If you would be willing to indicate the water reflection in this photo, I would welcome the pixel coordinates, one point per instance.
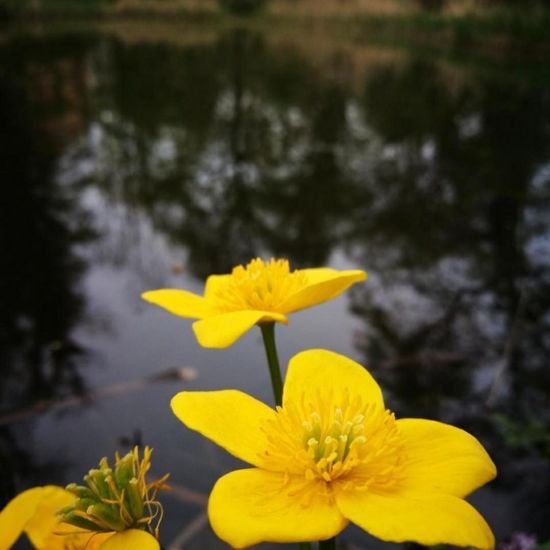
(457, 230)
(434, 177)
(40, 302)
(244, 159)
(456, 321)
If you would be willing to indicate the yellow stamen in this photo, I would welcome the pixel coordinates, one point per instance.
(260, 285)
(352, 442)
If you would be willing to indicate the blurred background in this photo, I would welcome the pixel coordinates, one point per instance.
(149, 143)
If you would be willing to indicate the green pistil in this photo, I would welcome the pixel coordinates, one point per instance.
(133, 499)
(335, 445)
(124, 471)
(78, 521)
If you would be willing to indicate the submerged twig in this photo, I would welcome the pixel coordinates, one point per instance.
(189, 532)
(184, 374)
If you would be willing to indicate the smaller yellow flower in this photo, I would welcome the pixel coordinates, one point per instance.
(256, 293)
(110, 513)
(333, 454)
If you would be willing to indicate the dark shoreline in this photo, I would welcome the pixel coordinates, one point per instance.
(497, 33)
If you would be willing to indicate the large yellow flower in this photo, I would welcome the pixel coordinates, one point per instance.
(333, 454)
(34, 512)
(260, 292)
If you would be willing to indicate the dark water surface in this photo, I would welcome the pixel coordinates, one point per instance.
(130, 162)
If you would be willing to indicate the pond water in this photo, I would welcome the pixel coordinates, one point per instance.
(132, 160)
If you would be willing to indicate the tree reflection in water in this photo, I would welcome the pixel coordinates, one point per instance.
(457, 322)
(40, 302)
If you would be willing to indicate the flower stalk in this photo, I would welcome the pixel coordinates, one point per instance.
(329, 544)
(268, 335)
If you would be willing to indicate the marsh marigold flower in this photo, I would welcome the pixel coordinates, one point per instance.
(333, 454)
(115, 510)
(255, 293)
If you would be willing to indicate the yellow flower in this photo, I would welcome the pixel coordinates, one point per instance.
(260, 292)
(109, 513)
(34, 513)
(333, 454)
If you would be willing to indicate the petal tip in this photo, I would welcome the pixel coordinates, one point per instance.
(356, 275)
(176, 400)
(209, 339)
(179, 404)
(147, 295)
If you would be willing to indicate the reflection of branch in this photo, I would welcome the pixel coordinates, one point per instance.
(185, 374)
(188, 495)
(193, 528)
(425, 358)
(509, 347)
(197, 524)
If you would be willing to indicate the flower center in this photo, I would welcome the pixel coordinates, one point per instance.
(330, 448)
(346, 442)
(119, 498)
(260, 285)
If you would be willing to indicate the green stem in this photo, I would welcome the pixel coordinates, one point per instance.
(329, 544)
(268, 334)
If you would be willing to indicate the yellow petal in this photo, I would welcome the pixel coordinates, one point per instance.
(250, 506)
(132, 539)
(426, 518)
(317, 275)
(443, 458)
(222, 330)
(44, 521)
(17, 513)
(317, 370)
(69, 537)
(322, 284)
(214, 283)
(179, 302)
(230, 418)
